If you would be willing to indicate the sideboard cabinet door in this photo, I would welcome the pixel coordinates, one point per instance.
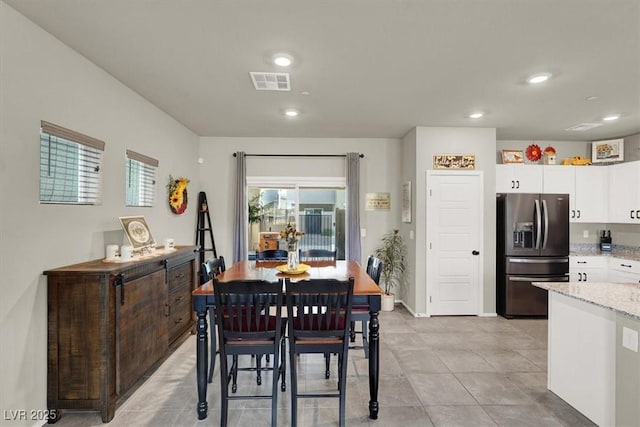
(142, 327)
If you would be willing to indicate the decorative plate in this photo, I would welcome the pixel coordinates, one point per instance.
(534, 153)
(285, 269)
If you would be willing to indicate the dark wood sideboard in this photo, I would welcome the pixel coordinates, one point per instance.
(110, 322)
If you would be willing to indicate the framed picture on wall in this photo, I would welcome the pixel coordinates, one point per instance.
(607, 151)
(512, 156)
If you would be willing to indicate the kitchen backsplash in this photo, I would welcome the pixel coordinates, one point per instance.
(621, 234)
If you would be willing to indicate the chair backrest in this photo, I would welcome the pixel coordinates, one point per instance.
(374, 268)
(272, 255)
(248, 312)
(317, 255)
(211, 268)
(320, 309)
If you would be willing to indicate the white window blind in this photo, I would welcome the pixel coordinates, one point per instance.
(140, 179)
(69, 166)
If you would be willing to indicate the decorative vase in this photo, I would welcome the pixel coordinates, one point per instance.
(388, 302)
(292, 258)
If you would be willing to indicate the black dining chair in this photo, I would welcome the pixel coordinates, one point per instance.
(317, 255)
(361, 313)
(319, 313)
(249, 320)
(272, 255)
(208, 270)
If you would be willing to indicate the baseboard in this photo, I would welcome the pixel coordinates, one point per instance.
(413, 313)
(488, 315)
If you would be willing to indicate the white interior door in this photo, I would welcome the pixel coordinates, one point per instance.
(454, 242)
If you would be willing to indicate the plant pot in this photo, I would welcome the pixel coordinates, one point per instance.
(388, 302)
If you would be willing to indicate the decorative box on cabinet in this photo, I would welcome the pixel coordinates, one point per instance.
(108, 323)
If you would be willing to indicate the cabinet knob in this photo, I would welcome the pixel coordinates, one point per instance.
(513, 184)
(579, 277)
(631, 215)
(578, 211)
(585, 277)
(517, 183)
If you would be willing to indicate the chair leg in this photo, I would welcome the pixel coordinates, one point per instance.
(234, 374)
(224, 388)
(342, 360)
(283, 365)
(365, 340)
(352, 331)
(327, 362)
(259, 369)
(212, 337)
(294, 387)
(274, 391)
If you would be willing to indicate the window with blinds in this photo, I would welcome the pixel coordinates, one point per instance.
(140, 179)
(69, 166)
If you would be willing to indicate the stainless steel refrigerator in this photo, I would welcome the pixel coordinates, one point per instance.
(532, 246)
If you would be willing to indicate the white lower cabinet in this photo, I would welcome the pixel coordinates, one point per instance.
(588, 269)
(581, 363)
(624, 270)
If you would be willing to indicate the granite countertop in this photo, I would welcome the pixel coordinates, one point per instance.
(620, 297)
(618, 251)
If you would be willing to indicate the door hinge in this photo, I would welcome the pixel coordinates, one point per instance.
(430, 245)
(430, 299)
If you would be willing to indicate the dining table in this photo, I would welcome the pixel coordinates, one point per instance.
(366, 293)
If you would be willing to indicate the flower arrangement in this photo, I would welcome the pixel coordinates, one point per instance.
(177, 194)
(291, 235)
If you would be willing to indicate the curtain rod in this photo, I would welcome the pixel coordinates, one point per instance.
(296, 155)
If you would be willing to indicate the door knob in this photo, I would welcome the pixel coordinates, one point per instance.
(475, 253)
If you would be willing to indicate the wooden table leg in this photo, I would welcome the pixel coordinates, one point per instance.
(374, 364)
(201, 360)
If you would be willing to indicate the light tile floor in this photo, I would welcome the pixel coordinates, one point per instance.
(440, 371)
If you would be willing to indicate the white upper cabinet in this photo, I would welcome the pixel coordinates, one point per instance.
(624, 193)
(518, 178)
(587, 187)
(592, 194)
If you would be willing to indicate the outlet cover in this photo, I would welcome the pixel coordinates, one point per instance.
(585, 234)
(630, 339)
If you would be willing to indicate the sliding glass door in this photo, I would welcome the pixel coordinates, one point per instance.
(316, 208)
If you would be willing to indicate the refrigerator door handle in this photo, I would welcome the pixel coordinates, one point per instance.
(564, 260)
(538, 279)
(546, 224)
(538, 223)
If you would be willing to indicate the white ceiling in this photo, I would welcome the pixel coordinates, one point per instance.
(373, 68)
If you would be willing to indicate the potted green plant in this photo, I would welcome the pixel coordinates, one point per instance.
(256, 215)
(393, 254)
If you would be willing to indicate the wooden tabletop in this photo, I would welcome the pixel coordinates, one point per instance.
(266, 270)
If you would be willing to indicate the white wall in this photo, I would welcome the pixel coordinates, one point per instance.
(42, 79)
(378, 172)
(430, 141)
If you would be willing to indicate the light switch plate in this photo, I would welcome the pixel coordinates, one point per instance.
(363, 232)
(630, 339)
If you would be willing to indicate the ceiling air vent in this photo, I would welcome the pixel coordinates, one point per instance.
(270, 81)
(583, 126)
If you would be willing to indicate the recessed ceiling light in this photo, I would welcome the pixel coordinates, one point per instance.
(538, 78)
(476, 115)
(591, 98)
(291, 113)
(282, 60)
(611, 118)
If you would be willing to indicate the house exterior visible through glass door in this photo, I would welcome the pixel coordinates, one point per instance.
(317, 211)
